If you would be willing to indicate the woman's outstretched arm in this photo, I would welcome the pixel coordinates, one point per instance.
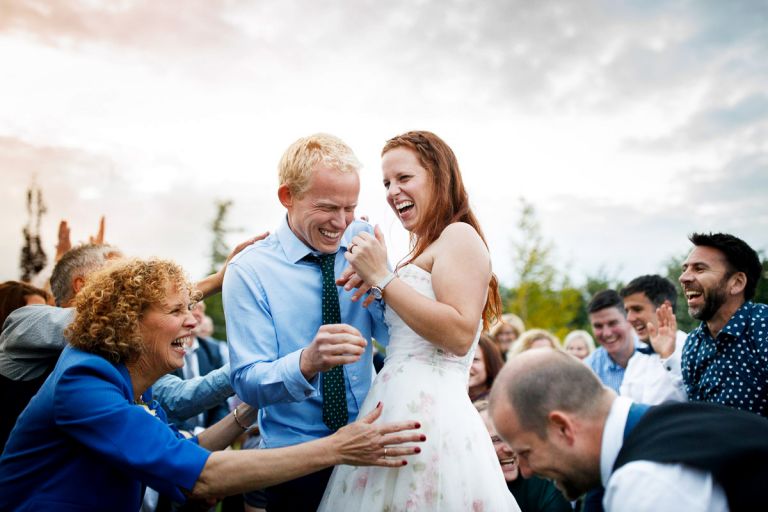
(359, 443)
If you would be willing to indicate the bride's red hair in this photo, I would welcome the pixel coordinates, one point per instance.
(449, 202)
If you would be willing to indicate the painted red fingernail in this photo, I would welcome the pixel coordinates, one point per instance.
(417, 450)
(378, 404)
(405, 462)
(423, 438)
(418, 425)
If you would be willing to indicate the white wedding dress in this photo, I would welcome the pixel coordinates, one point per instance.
(457, 469)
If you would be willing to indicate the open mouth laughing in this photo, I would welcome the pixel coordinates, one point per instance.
(330, 235)
(404, 207)
(693, 296)
(179, 344)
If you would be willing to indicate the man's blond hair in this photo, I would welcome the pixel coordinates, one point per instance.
(301, 157)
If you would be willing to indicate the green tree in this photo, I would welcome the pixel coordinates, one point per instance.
(33, 257)
(540, 296)
(219, 252)
(761, 293)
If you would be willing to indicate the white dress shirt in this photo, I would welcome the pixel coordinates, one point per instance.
(190, 371)
(651, 380)
(650, 486)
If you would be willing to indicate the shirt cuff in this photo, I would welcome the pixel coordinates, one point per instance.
(295, 383)
(672, 363)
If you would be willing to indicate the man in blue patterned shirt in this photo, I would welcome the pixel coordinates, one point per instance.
(725, 359)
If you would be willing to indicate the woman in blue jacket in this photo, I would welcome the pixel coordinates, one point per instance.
(92, 440)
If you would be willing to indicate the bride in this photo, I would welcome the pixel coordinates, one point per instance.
(436, 304)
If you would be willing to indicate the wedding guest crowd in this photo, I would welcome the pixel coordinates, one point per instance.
(112, 378)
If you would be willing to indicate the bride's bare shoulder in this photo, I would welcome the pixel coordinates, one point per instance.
(459, 232)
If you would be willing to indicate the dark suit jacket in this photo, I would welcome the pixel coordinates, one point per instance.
(729, 443)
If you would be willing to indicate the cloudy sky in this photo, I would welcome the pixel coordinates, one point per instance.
(627, 124)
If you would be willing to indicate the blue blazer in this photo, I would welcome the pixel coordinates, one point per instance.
(82, 444)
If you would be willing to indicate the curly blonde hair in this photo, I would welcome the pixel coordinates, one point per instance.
(112, 302)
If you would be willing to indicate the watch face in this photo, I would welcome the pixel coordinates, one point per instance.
(376, 292)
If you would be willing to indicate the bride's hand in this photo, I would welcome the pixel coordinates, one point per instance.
(350, 279)
(367, 255)
(364, 443)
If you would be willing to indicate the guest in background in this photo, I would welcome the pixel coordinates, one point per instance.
(485, 366)
(533, 494)
(14, 397)
(614, 334)
(650, 305)
(724, 358)
(506, 331)
(534, 338)
(15, 294)
(579, 344)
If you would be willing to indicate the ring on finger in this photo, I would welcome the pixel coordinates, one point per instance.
(351, 246)
(385, 453)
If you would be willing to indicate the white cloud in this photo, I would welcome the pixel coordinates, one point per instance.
(628, 124)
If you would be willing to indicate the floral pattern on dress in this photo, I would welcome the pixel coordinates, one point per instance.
(457, 469)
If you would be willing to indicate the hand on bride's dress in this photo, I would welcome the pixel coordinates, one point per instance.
(364, 443)
(334, 344)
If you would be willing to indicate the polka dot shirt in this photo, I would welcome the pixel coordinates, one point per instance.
(731, 369)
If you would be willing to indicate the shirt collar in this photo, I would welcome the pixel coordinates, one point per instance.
(737, 324)
(295, 249)
(613, 436)
(613, 365)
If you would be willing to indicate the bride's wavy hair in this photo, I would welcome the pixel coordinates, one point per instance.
(450, 202)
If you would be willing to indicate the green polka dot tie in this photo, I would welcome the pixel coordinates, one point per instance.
(335, 414)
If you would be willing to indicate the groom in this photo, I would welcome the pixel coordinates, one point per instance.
(299, 347)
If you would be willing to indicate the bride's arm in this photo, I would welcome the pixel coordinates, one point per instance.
(461, 271)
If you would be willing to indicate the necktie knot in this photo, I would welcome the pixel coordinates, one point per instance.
(326, 261)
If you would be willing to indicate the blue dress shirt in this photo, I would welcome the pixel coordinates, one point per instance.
(273, 308)
(610, 373)
(731, 369)
(82, 444)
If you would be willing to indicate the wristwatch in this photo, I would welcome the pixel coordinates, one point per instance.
(377, 290)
